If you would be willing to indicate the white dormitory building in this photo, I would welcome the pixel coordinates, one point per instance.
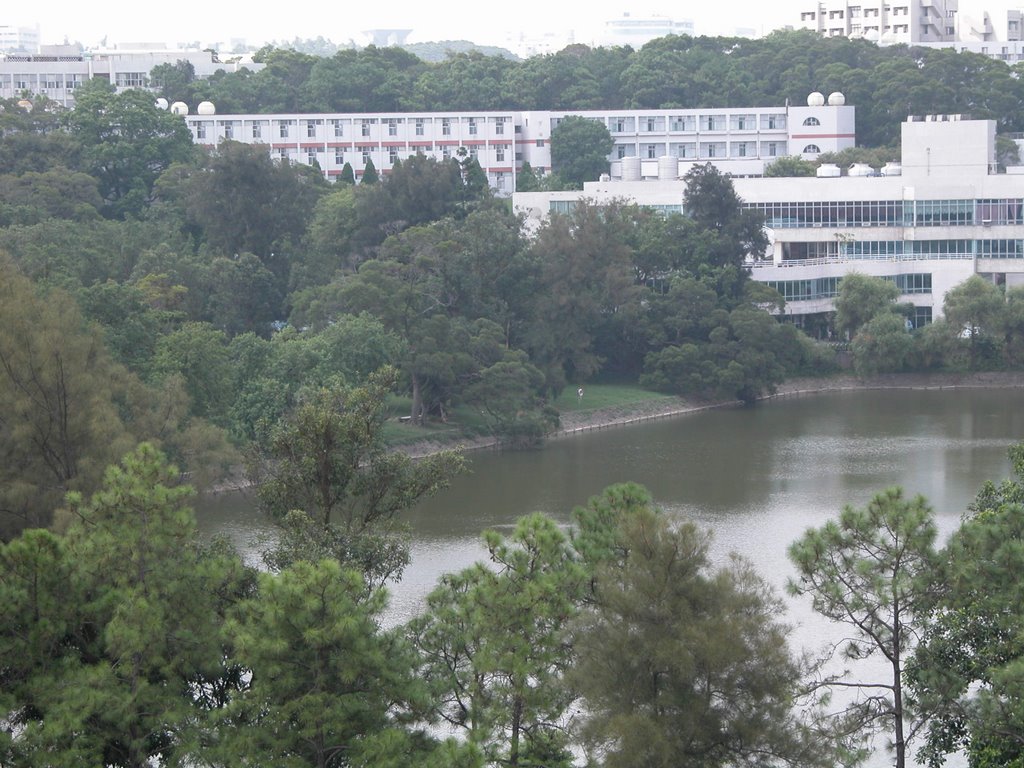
(928, 224)
(647, 143)
(55, 71)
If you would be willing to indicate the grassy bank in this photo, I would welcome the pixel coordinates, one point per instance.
(467, 424)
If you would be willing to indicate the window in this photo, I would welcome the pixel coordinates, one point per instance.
(310, 129)
(339, 157)
(619, 125)
(419, 127)
(652, 151)
(200, 130)
(310, 156)
(499, 127)
(540, 142)
(499, 154)
(282, 153)
(392, 128)
(812, 121)
(446, 127)
(472, 126)
(650, 125)
(620, 151)
(257, 131)
(229, 130)
(365, 130)
(130, 80)
(366, 156)
(812, 149)
(56, 81)
(282, 130)
(339, 129)
(392, 154)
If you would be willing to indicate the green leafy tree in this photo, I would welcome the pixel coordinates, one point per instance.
(678, 664)
(127, 143)
(173, 80)
(790, 166)
(861, 298)
(883, 345)
(328, 685)
(871, 570)
(493, 646)
(114, 654)
(369, 175)
(974, 309)
(327, 463)
(59, 423)
(580, 148)
(966, 672)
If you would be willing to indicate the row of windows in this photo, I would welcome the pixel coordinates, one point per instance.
(897, 250)
(692, 123)
(828, 287)
(888, 213)
(342, 154)
(259, 129)
(44, 82)
(704, 149)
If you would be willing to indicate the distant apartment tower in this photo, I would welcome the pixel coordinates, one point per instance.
(884, 21)
(20, 39)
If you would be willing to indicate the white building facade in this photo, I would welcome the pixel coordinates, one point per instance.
(941, 217)
(887, 21)
(647, 143)
(57, 70)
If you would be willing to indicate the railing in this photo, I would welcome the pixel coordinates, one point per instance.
(825, 260)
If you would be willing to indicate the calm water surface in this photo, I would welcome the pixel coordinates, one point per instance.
(757, 477)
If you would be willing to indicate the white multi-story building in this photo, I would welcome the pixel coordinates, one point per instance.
(57, 70)
(21, 39)
(647, 143)
(928, 225)
(887, 21)
(637, 31)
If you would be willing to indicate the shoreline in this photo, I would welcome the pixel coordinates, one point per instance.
(576, 422)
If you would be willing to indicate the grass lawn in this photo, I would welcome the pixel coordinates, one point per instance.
(599, 396)
(465, 421)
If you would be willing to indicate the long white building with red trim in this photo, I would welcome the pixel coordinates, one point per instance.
(648, 143)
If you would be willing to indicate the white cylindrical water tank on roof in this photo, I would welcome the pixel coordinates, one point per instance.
(861, 169)
(828, 171)
(631, 169)
(892, 168)
(668, 168)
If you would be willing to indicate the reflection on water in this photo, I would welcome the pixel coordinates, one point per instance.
(757, 477)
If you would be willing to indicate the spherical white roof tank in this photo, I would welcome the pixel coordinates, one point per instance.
(161, 103)
(892, 168)
(206, 108)
(631, 169)
(179, 108)
(815, 99)
(828, 171)
(836, 99)
(668, 168)
(860, 169)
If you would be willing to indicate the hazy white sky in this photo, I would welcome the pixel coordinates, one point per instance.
(209, 22)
